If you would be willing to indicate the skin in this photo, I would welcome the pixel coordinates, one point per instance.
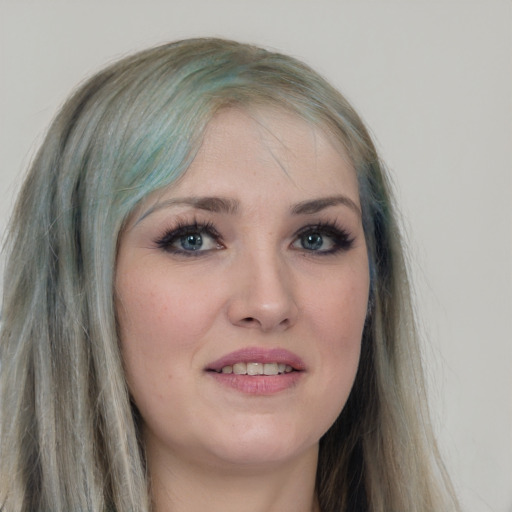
(209, 446)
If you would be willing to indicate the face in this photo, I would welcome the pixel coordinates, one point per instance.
(242, 292)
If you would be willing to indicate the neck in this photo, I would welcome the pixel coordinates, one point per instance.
(185, 486)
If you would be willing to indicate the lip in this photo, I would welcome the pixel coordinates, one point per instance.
(261, 384)
(258, 355)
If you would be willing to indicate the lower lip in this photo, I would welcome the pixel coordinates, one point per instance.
(258, 384)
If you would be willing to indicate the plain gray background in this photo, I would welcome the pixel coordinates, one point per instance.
(432, 79)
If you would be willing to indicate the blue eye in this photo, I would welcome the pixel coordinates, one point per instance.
(312, 241)
(322, 239)
(192, 242)
(190, 239)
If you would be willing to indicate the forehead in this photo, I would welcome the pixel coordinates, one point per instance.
(268, 149)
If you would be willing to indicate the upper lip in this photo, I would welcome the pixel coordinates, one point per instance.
(258, 355)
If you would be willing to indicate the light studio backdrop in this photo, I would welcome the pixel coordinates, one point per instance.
(433, 80)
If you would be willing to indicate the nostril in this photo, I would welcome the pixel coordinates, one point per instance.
(254, 322)
(251, 322)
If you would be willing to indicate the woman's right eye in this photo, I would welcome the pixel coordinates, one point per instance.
(190, 240)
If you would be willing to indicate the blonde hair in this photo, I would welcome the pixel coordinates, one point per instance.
(70, 436)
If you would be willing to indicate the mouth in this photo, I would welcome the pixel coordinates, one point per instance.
(252, 368)
(257, 370)
(256, 361)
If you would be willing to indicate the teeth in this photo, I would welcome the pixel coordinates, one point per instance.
(239, 368)
(254, 369)
(270, 369)
(257, 368)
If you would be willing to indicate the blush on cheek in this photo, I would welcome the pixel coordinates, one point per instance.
(163, 315)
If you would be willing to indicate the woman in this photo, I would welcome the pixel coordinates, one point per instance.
(206, 304)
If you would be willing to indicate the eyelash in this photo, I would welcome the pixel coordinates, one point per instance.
(340, 238)
(183, 229)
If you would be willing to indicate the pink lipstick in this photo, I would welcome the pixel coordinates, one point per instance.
(258, 371)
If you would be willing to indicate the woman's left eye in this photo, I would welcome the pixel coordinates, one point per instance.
(323, 239)
(190, 240)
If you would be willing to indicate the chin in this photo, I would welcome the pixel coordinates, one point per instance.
(261, 444)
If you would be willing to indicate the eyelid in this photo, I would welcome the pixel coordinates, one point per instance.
(182, 228)
(341, 237)
(327, 227)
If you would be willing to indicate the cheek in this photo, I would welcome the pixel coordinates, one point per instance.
(170, 314)
(162, 321)
(339, 308)
(338, 316)
(161, 326)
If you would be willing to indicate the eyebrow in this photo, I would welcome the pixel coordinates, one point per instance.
(317, 205)
(210, 204)
(231, 206)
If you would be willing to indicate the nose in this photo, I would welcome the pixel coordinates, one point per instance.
(262, 296)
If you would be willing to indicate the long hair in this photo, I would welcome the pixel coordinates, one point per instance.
(70, 436)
